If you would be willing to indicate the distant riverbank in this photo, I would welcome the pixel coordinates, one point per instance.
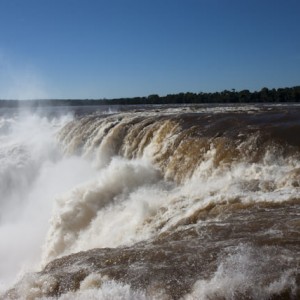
(265, 95)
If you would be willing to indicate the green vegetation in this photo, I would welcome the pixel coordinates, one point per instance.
(265, 95)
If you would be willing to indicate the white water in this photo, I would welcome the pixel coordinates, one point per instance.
(54, 204)
(33, 172)
(92, 287)
(241, 271)
(106, 212)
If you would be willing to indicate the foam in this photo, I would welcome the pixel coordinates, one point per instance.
(244, 273)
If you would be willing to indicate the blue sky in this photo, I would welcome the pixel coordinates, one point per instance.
(127, 48)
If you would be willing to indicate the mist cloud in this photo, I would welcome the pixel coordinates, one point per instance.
(20, 82)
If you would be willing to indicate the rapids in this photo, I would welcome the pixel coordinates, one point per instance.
(161, 202)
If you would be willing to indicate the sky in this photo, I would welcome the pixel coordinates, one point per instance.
(125, 48)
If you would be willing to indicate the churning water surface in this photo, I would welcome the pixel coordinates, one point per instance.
(181, 202)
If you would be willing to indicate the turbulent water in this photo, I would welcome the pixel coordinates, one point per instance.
(182, 202)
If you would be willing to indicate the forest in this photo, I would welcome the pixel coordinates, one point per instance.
(265, 95)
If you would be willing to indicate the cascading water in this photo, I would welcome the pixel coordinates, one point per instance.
(188, 202)
(33, 171)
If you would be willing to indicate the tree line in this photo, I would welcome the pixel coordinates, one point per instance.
(265, 95)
